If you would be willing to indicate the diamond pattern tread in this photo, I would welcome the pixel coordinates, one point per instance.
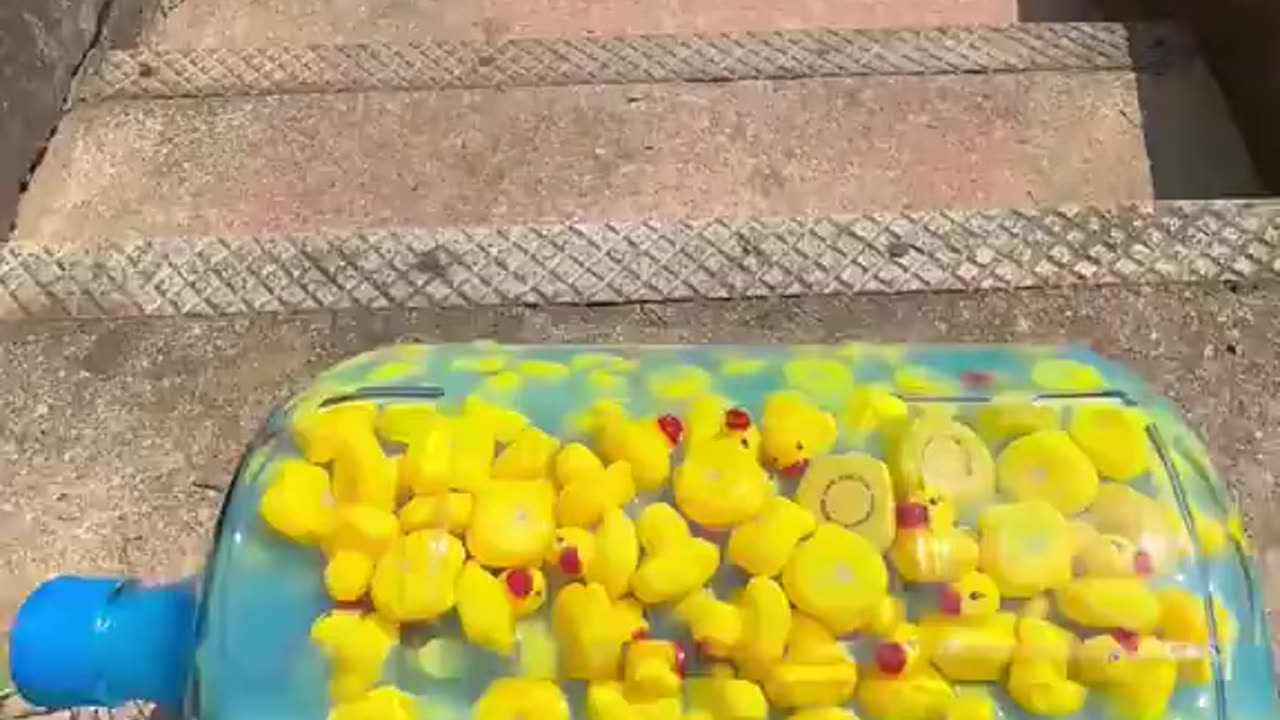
(647, 261)
(148, 73)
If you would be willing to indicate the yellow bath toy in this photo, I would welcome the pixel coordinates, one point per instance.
(939, 453)
(512, 698)
(711, 420)
(526, 589)
(1047, 465)
(715, 625)
(452, 453)
(415, 578)
(403, 422)
(674, 562)
(873, 409)
(762, 545)
(1025, 547)
(721, 696)
(929, 548)
(587, 487)
(485, 609)
(1011, 416)
(837, 577)
(972, 703)
(384, 702)
(298, 502)
(901, 684)
(853, 491)
(536, 651)
(362, 534)
(652, 670)
(823, 713)
(1135, 673)
(1109, 602)
(646, 443)
(1067, 376)
(816, 670)
(590, 631)
(344, 435)
(720, 485)
(357, 646)
(1184, 625)
(512, 522)
(792, 432)
(528, 457)
(1114, 437)
(971, 640)
(766, 623)
(1038, 676)
(1099, 555)
(1146, 522)
(606, 701)
(608, 556)
(451, 511)
(506, 423)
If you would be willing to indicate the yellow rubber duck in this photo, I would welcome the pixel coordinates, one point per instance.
(1148, 524)
(1012, 415)
(1047, 465)
(356, 645)
(766, 623)
(1038, 679)
(587, 487)
(1025, 547)
(652, 670)
(526, 589)
(414, 580)
(854, 491)
(715, 625)
(837, 577)
(485, 609)
(762, 545)
(873, 409)
(972, 640)
(362, 534)
(1115, 556)
(816, 669)
(451, 511)
(719, 485)
(901, 684)
(1184, 623)
(1135, 673)
(973, 703)
(1114, 437)
(298, 502)
(345, 436)
(590, 631)
(385, 702)
(506, 423)
(929, 548)
(527, 457)
(674, 562)
(450, 453)
(645, 444)
(512, 522)
(792, 432)
(1109, 602)
(606, 701)
(511, 698)
(712, 420)
(721, 696)
(609, 556)
(938, 453)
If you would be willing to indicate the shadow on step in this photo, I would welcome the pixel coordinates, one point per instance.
(1085, 10)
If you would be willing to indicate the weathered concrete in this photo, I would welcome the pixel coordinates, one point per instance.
(302, 163)
(123, 432)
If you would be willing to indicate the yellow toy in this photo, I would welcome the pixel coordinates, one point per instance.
(451, 511)
(1011, 416)
(1108, 602)
(823, 713)
(606, 701)
(608, 557)
(1038, 674)
(485, 609)
(357, 646)
(792, 432)
(1046, 465)
(1025, 547)
(716, 626)
(762, 545)
(344, 436)
(938, 453)
(652, 670)
(837, 577)
(1099, 555)
(451, 453)
(871, 409)
(385, 702)
(1148, 524)
(1135, 673)
(815, 671)
(512, 522)
(362, 534)
(298, 502)
(526, 589)
(506, 423)
(518, 698)
(646, 444)
(972, 703)
(1114, 437)
(528, 457)
(928, 547)
(1185, 624)
(971, 641)
(711, 420)
(721, 696)
(588, 488)
(853, 491)
(590, 632)
(414, 580)
(901, 685)
(766, 623)
(720, 485)
(674, 563)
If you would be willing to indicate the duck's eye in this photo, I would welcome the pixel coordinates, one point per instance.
(935, 500)
(800, 446)
(745, 445)
(976, 595)
(1114, 656)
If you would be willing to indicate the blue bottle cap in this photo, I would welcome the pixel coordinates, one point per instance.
(51, 648)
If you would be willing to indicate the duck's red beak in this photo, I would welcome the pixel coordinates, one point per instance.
(949, 601)
(795, 470)
(1143, 564)
(671, 426)
(891, 657)
(737, 419)
(681, 658)
(912, 515)
(570, 562)
(519, 583)
(1127, 639)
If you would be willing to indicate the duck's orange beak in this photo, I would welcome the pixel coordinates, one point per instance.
(795, 470)
(671, 426)
(891, 657)
(949, 601)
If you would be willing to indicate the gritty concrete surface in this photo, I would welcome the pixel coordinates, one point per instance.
(119, 435)
(794, 148)
(257, 23)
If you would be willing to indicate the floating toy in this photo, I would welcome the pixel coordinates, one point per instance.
(517, 698)
(762, 545)
(414, 579)
(1135, 673)
(357, 646)
(1026, 547)
(645, 444)
(587, 487)
(720, 484)
(929, 548)
(853, 491)
(512, 522)
(970, 640)
(837, 577)
(792, 432)
(1114, 437)
(674, 563)
(1038, 676)
(939, 453)
(1047, 465)
(901, 684)
(1109, 602)
(716, 625)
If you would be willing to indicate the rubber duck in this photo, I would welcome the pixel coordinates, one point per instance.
(1047, 465)
(451, 511)
(1038, 679)
(674, 563)
(715, 625)
(762, 545)
(414, 579)
(1013, 415)
(853, 491)
(1109, 602)
(873, 409)
(512, 522)
(606, 701)
(938, 453)
(587, 487)
(816, 669)
(451, 453)
(385, 702)
(590, 632)
(1100, 555)
(711, 419)
(485, 609)
(1124, 511)
(362, 534)
(1184, 624)
(652, 670)
(403, 422)
(513, 698)
(609, 556)
(901, 684)
(526, 589)
(792, 432)
(1114, 437)
(298, 502)
(972, 703)
(929, 548)
(506, 423)
(344, 435)
(721, 696)
(971, 640)
(357, 645)
(1135, 673)
(823, 713)
(1067, 376)
(536, 652)
(1025, 547)
(766, 622)
(837, 577)
(720, 484)
(527, 457)
(818, 377)
(679, 382)
(646, 443)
